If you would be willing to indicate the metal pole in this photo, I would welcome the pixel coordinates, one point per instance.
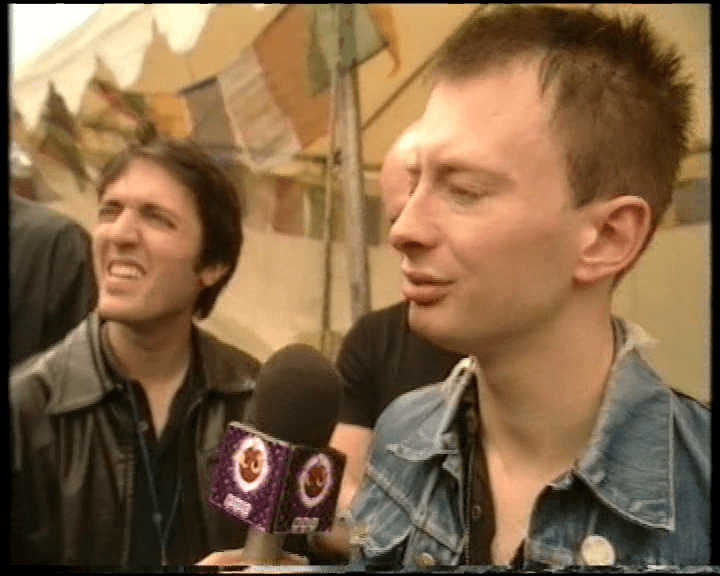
(325, 344)
(353, 178)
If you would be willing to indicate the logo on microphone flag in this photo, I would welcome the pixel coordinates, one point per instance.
(250, 464)
(274, 486)
(315, 480)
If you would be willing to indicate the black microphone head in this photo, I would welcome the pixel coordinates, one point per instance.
(297, 396)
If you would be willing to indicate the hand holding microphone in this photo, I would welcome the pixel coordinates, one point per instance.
(279, 477)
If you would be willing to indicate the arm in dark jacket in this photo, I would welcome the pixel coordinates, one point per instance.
(33, 526)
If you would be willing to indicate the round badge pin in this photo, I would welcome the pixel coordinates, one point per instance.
(597, 551)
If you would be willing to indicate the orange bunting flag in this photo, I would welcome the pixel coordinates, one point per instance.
(271, 114)
(170, 115)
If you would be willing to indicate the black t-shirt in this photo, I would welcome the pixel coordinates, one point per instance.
(171, 458)
(479, 504)
(380, 359)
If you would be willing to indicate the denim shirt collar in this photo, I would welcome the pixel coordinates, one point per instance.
(627, 462)
(438, 434)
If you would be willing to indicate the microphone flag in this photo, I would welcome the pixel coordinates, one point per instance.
(275, 486)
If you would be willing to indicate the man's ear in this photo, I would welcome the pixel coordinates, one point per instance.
(211, 273)
(612, 237)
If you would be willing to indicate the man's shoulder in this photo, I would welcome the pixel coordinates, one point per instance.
(35, 380)
(408, 411)
(40, 219)
(689, 416)
(425, 398)
(426, 411)
(29, 385)
(372, 335)
(224, 362)
(692, 417)
(383, 318)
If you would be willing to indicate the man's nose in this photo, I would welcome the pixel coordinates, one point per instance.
(414, 228)
(124, 229)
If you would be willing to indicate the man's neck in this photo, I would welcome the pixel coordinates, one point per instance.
(157, 358)
(151, 356)
(540, 398)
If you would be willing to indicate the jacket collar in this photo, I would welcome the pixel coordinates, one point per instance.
(83, 378)
(437, 435)
(628, 460)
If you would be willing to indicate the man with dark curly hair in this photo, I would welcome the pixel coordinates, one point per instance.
(114, 429)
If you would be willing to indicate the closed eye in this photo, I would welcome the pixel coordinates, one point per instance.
(158, 216)
(463, 195)
(414, 179)
(107, 211)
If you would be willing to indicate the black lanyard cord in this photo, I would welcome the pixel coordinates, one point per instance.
(157, 515)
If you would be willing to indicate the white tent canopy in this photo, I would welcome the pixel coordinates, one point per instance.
(142, 46)
(119, 35)
(168, 47)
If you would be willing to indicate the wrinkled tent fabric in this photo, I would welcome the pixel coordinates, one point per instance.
(119, 35)
(392, 91)
(388, 102)
(274, 107)
(276, 101)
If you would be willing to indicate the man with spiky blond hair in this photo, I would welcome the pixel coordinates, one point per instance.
(544, 160)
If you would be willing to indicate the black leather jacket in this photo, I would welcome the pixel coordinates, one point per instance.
(72, 450)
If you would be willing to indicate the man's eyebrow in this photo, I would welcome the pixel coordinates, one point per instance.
(144, 206)
(448, 167)
(451, 165)
(153, 207)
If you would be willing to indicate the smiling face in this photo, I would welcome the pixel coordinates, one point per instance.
(146, 246)
(251, 464)
(315, 481)
(488, 236)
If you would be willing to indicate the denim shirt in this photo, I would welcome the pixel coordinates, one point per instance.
(638, 495)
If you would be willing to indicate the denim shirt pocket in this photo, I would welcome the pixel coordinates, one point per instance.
(395, 540)
(414, 526)
(425, 551)
(388, 526)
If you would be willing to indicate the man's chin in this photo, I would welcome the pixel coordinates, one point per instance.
(142, 320)
(122, 315)
(432, 325)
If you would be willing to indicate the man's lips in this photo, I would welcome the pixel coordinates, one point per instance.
(423, 288)
(124, 268)
(121, 274)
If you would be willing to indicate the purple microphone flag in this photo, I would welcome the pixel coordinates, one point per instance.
(274, 486)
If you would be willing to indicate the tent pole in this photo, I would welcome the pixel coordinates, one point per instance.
(325, 342)
(353, 178)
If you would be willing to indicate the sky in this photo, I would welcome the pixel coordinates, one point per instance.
(34, 27)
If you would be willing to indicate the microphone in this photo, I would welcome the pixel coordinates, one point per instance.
(279, 476)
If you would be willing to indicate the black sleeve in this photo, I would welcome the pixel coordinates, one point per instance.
(33, 532)
(356, 364)
(71, 291)
(380, 359)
